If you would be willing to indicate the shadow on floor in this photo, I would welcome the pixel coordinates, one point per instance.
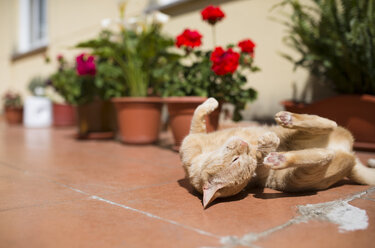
(258, 192)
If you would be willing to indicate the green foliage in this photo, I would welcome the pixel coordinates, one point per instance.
(191, 75)
(336, 40)
(36, 86)
(65, 83)
(129, 59)
(12, 100)
(72, 88)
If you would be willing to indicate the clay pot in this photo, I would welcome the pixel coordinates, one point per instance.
(181, 110)
(96, 120)
(13, 115)
(355, 112)
(138, 119)
(63, 115)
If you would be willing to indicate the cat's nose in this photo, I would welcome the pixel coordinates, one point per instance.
(244, 144)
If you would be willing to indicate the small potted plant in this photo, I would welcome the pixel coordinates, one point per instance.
(12, 103)
(218, 73)
(64, 83)
(335, 40)
(134, 54)
(37, 108)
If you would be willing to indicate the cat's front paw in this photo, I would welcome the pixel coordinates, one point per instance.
(268, 141)
(275, 161)
(284, 119)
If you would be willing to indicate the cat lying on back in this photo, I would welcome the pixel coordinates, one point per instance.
(305, 152)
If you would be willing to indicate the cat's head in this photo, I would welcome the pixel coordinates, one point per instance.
(227, 170)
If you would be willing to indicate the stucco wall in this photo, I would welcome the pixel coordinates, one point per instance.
(70, 21)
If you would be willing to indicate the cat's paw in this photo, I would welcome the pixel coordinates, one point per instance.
(275, 161)
(268, 141)
(284, 119)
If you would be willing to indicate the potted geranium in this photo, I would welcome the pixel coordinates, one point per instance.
(97, 81)
(218, 73)
(85, 87)
(136, 53)
(12, 103)
(335, 40)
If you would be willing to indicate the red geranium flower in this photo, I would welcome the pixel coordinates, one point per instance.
(189, 38)
(247, 46)
(224, 62)
(85, 65)
(212, 14)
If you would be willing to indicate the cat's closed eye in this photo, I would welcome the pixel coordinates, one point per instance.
(235, 159)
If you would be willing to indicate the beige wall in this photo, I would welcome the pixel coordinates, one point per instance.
(70, 21)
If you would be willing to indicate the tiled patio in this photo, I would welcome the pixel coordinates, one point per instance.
(56, 191)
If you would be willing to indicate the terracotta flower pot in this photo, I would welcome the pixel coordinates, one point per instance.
(181, 110)
(138, 119)
(63, 115)
(355, 112)
(13, 115)
(96, 120)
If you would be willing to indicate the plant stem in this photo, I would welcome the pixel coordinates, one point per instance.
(214, 36)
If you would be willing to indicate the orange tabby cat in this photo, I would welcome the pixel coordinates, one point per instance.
(305, 152)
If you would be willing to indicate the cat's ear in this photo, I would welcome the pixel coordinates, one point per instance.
(209, 193)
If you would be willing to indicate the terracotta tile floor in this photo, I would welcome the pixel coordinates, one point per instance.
(59, 192)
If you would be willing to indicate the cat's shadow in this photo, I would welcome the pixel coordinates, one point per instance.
(256, 192)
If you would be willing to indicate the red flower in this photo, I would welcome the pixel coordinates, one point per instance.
(189, 38)
(224, 62)
(60, 57)
(247, 46)
(212, 14)
(85, 65)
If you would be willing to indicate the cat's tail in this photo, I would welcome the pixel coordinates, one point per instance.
(362, 174)
(198, 123)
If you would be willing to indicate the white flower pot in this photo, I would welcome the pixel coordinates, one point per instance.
(37, 112)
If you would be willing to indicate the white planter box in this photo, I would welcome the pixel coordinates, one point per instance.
(37, 112)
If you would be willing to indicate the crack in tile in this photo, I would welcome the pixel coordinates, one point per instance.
(328, 211)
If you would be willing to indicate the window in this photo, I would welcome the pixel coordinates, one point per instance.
(33, 25)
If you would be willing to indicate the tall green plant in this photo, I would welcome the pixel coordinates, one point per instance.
(136, 54)
(336, 40)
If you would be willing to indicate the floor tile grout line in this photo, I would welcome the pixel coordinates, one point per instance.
(98, 198)
(120, 205)
(154, 216)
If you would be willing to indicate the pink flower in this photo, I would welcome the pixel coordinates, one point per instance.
(224, 62)
(189, 38)
(60, 57)
(85, 65)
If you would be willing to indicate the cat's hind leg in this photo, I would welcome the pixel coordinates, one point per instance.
(319, 172)
(304, 122)
(198, 123)
(298, 158)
